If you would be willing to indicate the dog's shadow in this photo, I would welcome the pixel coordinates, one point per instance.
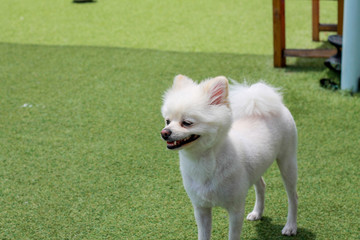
(267, 230)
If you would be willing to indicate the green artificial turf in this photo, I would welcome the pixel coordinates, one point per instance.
(80, 97)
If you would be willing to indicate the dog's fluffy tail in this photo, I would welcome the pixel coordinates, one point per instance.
(258, 100)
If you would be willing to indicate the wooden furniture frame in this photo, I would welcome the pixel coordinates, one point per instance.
(280, 50)
(318, 27)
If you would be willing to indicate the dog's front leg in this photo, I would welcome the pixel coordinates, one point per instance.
(203, 221)
(236, 219)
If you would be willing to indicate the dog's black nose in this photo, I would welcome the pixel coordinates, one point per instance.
(165, 133)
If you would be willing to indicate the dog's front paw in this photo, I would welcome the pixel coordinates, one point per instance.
(253, 216)
(289, 230)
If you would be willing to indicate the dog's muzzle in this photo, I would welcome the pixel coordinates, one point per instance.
(165, 133)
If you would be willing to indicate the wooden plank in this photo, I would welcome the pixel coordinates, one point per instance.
(328, 27)
(315, 20)
(279, 32)
(310, 53)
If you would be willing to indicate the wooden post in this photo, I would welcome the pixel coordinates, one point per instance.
(315, 20)
(340, 17)
(279, 32)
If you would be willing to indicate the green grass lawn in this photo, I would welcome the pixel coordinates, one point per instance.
(80, 97)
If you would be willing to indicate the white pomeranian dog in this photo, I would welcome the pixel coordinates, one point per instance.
(227, 139)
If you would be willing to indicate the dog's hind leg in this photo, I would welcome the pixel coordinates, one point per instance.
(288, 168)
(256, 214)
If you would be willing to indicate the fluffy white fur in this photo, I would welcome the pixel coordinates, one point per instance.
(227, 139)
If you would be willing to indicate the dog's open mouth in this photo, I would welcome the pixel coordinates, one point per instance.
(182, 142)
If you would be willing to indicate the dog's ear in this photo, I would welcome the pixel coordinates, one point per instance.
(218, 89)
(181, 81)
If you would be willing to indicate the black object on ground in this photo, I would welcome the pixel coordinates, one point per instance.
(334, 62)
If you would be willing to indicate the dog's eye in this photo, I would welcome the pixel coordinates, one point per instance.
(186, 123)
(167, 121)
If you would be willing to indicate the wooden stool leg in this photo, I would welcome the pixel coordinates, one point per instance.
(315, 20)
(340, 17)
(279, 32)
